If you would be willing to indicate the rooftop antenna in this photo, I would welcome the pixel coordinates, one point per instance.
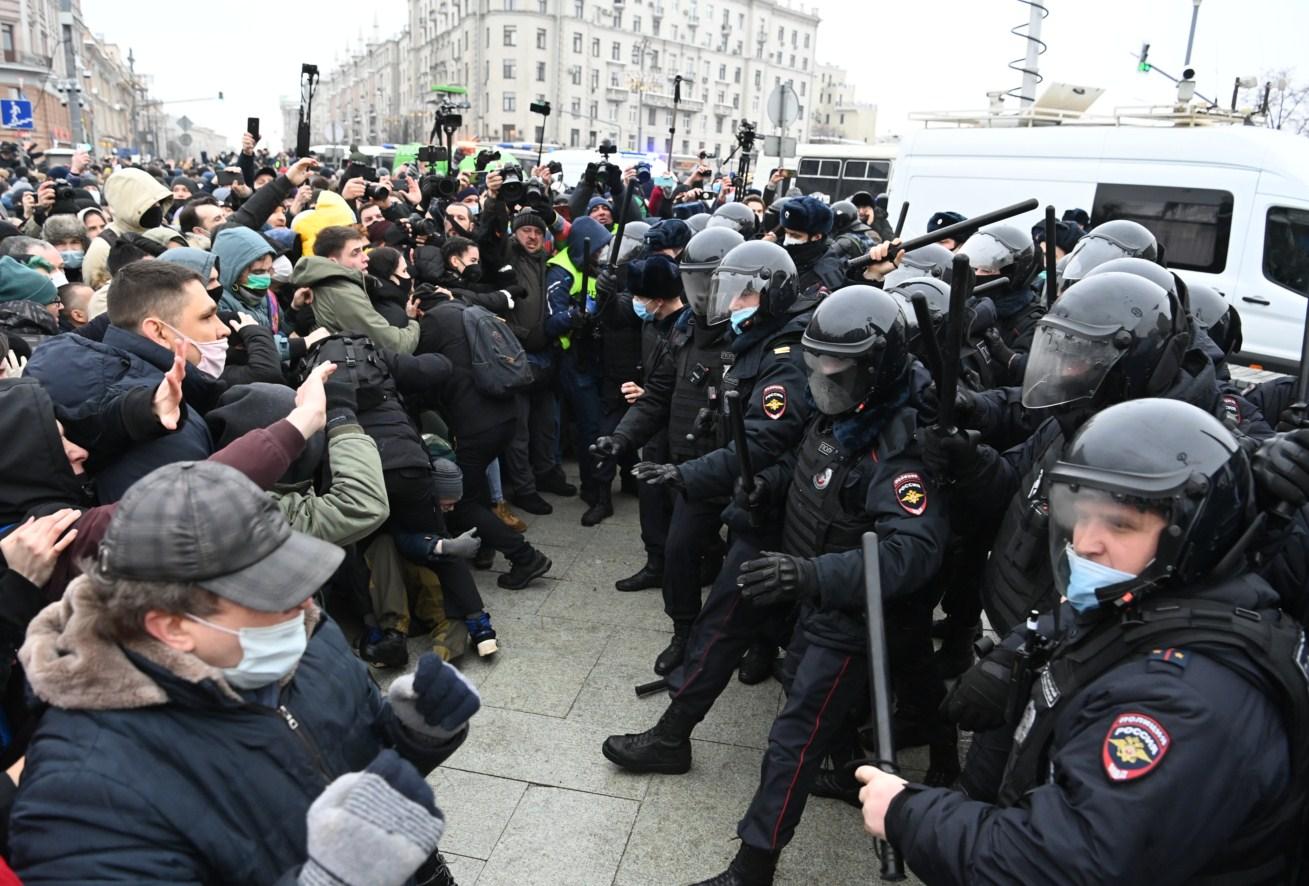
(1029, 66)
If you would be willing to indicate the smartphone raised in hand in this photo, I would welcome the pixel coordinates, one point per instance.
(252, 127)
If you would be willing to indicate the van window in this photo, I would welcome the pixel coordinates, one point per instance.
(818, 176)
(1286, 248)
(1193, 224)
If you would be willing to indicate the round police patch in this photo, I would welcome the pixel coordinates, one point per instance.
(774, 401)
(910, 493)
(1134, 746)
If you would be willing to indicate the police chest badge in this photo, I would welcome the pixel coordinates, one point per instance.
(1134, 746)
(774, 401)
(910, 493)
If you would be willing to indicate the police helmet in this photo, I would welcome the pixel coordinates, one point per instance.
(845, 215)
(932, 260)
(633, 241)
(1192, 483)
(856, 349)
(936, 292)
(756, 267)
(773, 214)
(1120, 238)
(737, 216)
(699, 260)
(698, 222)
(1001, 249)
(1109, 338)
(1213, 314)
(1160, 276)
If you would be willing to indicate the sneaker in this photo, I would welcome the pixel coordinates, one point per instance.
(383, 648)
(523, 574)
(533, 504)
(509, 518)
(555, 484)
(481, 633)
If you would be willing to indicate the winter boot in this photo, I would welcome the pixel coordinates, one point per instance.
(481, 633)
(675, 651)
(601, 505)
(533, 504)
(757, 663)
(664, 748)
(956, 653)
(556, 484)
(837, 783)
(383, 648)
(524, 572)
(751, 867)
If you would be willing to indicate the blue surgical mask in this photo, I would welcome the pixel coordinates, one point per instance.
(740, 315)
(267, 654)
(72, 257)
(641, 310)
(1085, 577)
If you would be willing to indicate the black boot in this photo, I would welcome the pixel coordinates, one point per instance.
(383, 648)
(601, 503)
(524, 572)
(956, 653)
(675, 651)
(555, 484)
(943, 761)
(651, 575)
(837, 784)
(757, 665)
(664, 748)
(751, 867)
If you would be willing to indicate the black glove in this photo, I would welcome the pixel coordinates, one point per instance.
(756, 499)
(980, 699)
(608, 448)
(776, 578)
(606, 284)
(1281, 467)
(588, 177)
(1000, 352)
(342, 397)
(578, 319)
(965, 405)
(658, 475)
(948, 456)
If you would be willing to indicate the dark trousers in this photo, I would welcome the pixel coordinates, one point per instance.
(580, 388)
(414, 508)
(826, 685)
(655, 505)
(611, 413)
(919, 689)
(692, 533)
(961, 576)
(473, 452)
(720, 635)
(535, 446)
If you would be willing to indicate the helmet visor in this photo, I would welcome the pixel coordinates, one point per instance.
(909, 270)
(1117, 526)
(837, 384)
(1068, 363)
(628, 247)
(696, 284)
(987, 255)
(729, 285)
(1087, 255)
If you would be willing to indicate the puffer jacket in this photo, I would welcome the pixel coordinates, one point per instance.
(129, 193)
(341, 304)
(27, 320)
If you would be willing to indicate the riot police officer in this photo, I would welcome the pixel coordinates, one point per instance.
(736, 216)
(1161, 739)
(1007, 251)
(856, 470)
(851, 238)
(681, 398)
(806, 226)
(1120, 238)
(754, 289)
(932, 260)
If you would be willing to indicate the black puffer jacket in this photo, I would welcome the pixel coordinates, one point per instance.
(465, 409)
(27, 320)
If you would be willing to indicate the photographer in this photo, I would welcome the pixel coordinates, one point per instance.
(602, 179)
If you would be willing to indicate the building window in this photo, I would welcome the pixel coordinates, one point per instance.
(722, 72)
(795, 39)
(595, 47)
(509, 102)
(577, 42)
(574, 138)
(540, 38)
(595, 79)
(511, 35)
(758, 79)
(540, 72)
(806, 41)
(617, 51)
(510, 69)
(802, 86)
(636, 53)
(613, 80)
(576, 107)
(579, 9)
(737, 78)
(651, 114)
(595, 110)
(576, 75)
(686, 146)
(631, 143)
(7, 36)
(636, 24)
(543, 9)
(654, 26)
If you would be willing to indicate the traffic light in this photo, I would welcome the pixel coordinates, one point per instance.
(1141, 64)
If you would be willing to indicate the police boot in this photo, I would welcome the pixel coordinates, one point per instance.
(675, 651)
(751, 867)
(956, 653)
(836, 783)
(602, 505)
(664, 748)
(914, 728)
(651, 575)
(757, 664)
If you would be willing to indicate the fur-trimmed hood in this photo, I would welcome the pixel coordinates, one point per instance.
(72, 663)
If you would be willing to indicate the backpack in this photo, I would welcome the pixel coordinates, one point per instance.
(499, 362)
(357, 355)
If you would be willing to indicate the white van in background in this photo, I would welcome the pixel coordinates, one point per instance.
(1230, 204)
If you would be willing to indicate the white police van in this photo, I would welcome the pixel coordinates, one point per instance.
(1229, 203)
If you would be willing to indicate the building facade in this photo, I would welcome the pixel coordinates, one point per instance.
(607, 67)
(837, 113)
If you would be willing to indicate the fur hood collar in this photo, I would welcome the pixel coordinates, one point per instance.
(72, 664)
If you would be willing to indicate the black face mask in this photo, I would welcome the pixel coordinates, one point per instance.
(471, 273)
(215, 293)
(404, 284)
(803, 253)
(152, 217)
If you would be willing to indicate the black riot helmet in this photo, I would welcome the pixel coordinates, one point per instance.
(633, 241)
(698, 222)
(844, 214)
(855, 349)
(1191, 482)
(773, 214)
(1119, 238)
(937, 294)
(736, 216)
(754, 267)
(701, 256)
(1109, 338)
(932, 260)
(1004, 250)
(1220, 319)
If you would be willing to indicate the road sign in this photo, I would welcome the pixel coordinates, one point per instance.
(15, 114)
(185, 139)
(777, 146)
(184, 124)
(783, 105)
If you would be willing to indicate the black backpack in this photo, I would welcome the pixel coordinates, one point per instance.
(500, 364)
(357, 355)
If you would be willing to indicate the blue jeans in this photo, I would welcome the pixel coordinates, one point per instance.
(580, 388)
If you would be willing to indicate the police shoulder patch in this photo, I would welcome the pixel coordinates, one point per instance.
(784, 349)
(1232, 408)
(910, 493)
(1134, 746)
(774, 401)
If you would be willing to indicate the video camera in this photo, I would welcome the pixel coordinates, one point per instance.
(606, 176)
(745, 136)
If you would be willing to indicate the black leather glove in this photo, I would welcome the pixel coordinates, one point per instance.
(588, 177)
(980, 699)
(948, 456)
(965, 405)
(1281, 467)
(756, 499)
(658, 475)
(342, 397)
(606, 284)
(776, 578)
(1000, 352)
(608, 448)
(578, 319)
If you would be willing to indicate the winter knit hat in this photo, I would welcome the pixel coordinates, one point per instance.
(529, 219)
(448, 478)
(21, 283)
(598, 201)
(196, 259)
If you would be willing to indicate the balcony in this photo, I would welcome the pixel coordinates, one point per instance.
(723, 110)
(617, 93)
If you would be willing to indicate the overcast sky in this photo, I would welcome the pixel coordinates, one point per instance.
(904, 57)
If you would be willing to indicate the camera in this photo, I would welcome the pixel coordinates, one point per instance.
(448, 117)
(555, 167)
(512, 190)
(421, 226)
(484, 159)
(377, 192)
(540, 107)
(608, 177)
(745, 136)
(433, 154)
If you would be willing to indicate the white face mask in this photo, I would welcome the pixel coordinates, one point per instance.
(789, 240)
(267, 654)
(59, 278)
(213, 354)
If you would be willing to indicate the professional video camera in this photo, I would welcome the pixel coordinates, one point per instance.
(433, 154)
(606, 176)
(745, 136)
